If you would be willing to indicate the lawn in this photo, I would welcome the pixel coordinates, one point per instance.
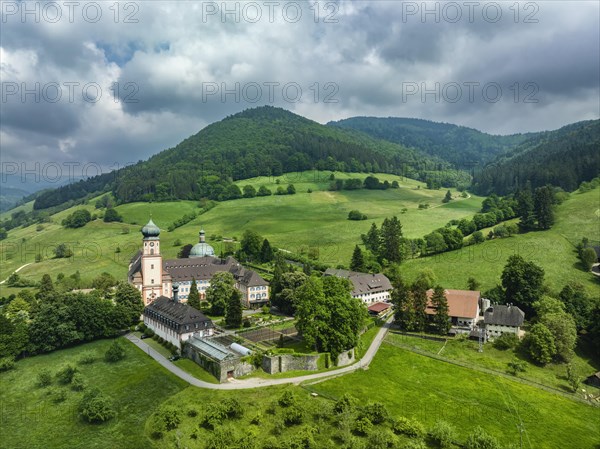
(416, 386)
(136, 385)
(552, 375)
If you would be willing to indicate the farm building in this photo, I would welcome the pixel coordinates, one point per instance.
(369, 288)
(503, 319)
(463, 309)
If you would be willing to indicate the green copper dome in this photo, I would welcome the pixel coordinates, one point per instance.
(150, 230)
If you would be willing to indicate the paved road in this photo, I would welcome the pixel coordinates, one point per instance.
(16, 271)
(236, 384)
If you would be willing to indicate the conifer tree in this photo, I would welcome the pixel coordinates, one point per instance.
(391, 240)
(441, 320)
(358, 262)
(194, 296)
(543, 207)
(233, 313)
(403, 307)
(419, 301)
(266, 252)
(371, 240)
(525, 209)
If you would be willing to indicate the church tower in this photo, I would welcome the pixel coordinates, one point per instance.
(151, 264)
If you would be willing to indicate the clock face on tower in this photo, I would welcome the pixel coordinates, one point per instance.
(151, 243)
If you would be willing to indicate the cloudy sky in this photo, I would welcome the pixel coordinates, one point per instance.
(111, 83)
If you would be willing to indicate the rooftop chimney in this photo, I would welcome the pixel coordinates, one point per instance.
(176, 293)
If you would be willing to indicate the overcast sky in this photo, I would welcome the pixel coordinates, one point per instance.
(157, 72)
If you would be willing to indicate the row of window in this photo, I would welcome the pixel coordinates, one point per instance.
(258, 296)
(254, 289)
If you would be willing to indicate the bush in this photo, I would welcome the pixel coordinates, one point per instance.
(409, 427)
(114, 353)
(362, 426)
(345, 404)
(78, 382)
(214, 414)
(376, 412)
(6, 364)
(415, 444)
(516, 366)
(479, 439)
(168, 417)
(233, 408)
(65, 375)
(95, 407)
(87, 358)
(192, 413)
(58, 395)
(44, 378)
(356, 215)
(506, 341)
(287, 399)
(293, 415)
(443, 434)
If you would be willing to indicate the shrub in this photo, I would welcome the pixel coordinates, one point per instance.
(87, 358)
(65, 375)
(114, 353)
(287, 399)
(6, 364)
(95, 407)
(415, 444)
(506, 341)
(443, 434)
(168, 417)
(44, 378)
(516, 366)
(78, 382)
(150, 333)
(409, 427)
(214, 414)
(233, 408)
(375, 411)
(345, 404)
(58, 395)
(257, 419)
(362, 426)
(356, 215)
(382, 440)
(480, 439)
(293, 415)
(192, 413)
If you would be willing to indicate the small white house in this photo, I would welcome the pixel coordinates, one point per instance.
(502, 319)
(176, 322)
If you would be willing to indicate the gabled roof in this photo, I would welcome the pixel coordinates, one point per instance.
(362, 282)
(504, 315)
(204, 268)
(379, 307)
(461, 303)
(178, 313)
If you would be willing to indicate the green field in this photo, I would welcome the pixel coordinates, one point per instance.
(311, 220)
(30, 418)
(292, 222)
(417, 386)
(553, 250)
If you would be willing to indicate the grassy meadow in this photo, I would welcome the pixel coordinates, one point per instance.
(31, 419)
(417, 386)
(554, 250)
(293, 222)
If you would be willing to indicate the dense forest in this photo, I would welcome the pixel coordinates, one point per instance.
(463, 147)
(264, 141)
(563, 158)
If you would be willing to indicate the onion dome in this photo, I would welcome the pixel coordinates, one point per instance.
(150, 230)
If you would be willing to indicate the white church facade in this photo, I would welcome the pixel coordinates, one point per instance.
(155, 277)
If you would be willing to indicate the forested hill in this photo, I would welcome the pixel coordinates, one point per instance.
(461, 146)
(261, 141)
(564, 158)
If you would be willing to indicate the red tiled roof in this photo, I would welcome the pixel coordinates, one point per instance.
(461, 303)
(379, 307)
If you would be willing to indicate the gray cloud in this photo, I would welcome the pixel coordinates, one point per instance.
(372, 53)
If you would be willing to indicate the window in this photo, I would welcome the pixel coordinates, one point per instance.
(152, 281)
(151, 252)
(152, 266)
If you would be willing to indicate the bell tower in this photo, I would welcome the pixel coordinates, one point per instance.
(152, 270)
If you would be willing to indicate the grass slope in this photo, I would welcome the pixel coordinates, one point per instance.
(136, 386)
(426, 389)
(553, 250)
(292, 222)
